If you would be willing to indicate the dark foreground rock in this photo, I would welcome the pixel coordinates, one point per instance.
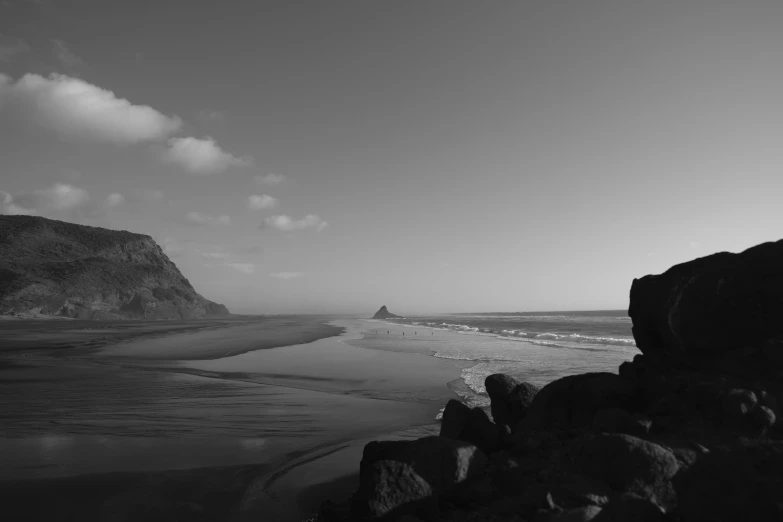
(688, 431)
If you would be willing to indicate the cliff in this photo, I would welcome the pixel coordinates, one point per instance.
(53, 268)
(383, 313)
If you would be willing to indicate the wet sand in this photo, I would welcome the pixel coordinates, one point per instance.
(75, 409)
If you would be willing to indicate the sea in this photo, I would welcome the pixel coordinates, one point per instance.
(536, 347)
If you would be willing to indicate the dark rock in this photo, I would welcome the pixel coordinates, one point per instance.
(573, 401)
(763, 417)
(617, 420)
(50, 267)
(744, 482)
(699, 310)
(383, 313)
(575, 490)
(580, 514)
(399, 477)
(499, 386)
(627, 507)
(511, 400)
(626, 463)
(455, 416)
(737, 403)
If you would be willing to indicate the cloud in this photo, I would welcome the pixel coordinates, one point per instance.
(78, 110)
(286, 224)
(269, 179)
(9, 208)
(115, 199)
(153, 196)
(11, 47)
(201, 156)
(204, 219)
(261, 202)
(287, 275)
(67, 58)
(61, 196)
(247, 268)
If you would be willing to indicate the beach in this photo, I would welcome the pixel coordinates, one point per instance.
(137, 412)
(234, 417)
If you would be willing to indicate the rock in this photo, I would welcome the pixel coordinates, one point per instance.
(54, 268)
(573, 401)
(625, 463)
(737, 403)
(511, 400)
(627, 507)
(581, 514)
(481, 432)
(383, 313)
(617, 420)
(471, 425)
(763, 417)
(401, 477)
(576, 490)
(744, 482)
(455, 416)
(697, 311)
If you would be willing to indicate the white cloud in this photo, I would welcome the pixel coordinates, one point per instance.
(205, 219)
(67, 58)
(247, 268)
(201, 156)
(287, 275)
(9, 208)
(61, 196)
(261, 202)
(115, 199)
(286, 224)
(269, 179)
(79, 110)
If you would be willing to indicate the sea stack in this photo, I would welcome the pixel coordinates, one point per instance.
(384, 313)
(52, 268)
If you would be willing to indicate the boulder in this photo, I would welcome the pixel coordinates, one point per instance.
(629, 506)
(617, 420)
(744, 482)
(511, 400)
(573, 401)
(697, 311)
(401, 477)
(625, 463)
(470, 425)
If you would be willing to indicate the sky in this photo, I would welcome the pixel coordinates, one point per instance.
(431, 156)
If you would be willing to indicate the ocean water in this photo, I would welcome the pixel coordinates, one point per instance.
(532, 347)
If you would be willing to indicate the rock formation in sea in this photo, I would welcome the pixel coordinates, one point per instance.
(690, 430)
(383, 313)
(54, 268)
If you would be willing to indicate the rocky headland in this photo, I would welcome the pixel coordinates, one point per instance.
(54, 269)
(384, 313)
(688, 431)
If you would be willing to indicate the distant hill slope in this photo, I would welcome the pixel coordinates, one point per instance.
(383, 313)
(50, 267)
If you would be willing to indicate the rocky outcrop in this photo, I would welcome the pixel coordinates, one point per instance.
(688, 431)
(709, 310)
(53, 268)
(383, 313)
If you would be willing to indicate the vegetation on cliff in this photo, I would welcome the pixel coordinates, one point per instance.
(54, 268)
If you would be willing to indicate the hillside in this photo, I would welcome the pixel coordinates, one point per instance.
(384, 313)
(54, 268)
